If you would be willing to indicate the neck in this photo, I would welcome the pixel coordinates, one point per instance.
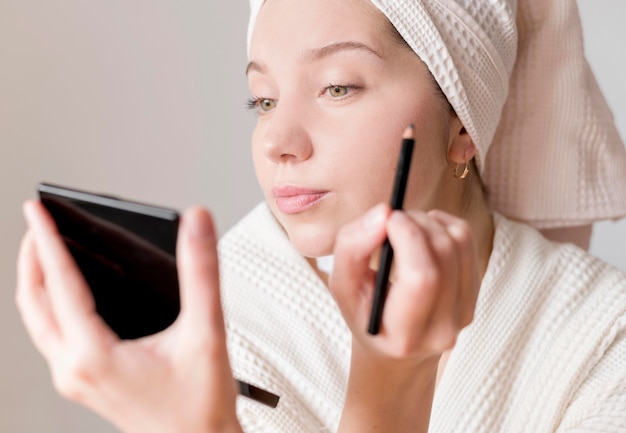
(466, 199)
(481, 223)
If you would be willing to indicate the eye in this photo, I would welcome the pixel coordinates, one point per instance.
(263, 104)
(337, 91)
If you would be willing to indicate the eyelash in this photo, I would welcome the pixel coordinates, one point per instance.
(253, 102)
(349, 87)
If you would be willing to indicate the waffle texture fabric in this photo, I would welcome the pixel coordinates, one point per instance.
(516, 74)
(545, 352)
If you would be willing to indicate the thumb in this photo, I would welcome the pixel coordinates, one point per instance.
(198, 272)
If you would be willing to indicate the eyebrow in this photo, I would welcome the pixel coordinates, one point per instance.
(328, 50)
(320, 53)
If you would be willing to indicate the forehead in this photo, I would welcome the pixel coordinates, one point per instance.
(308, 24)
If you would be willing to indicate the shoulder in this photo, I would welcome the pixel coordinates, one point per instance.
(549, 327)
(521, 251)
(576, 311)
(565, 283)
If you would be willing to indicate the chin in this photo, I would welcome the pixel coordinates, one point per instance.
(312, 241)
(311, 233)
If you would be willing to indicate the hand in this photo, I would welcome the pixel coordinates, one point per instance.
(434, 282)
(433, 292)
(177, 380)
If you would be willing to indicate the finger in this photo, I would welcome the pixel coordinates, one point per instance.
(469, 276)
(71, 301)
(356, 243)
(199, 274)
(443, 323)
(32, 301)
(203, 356)
(414, 291)
(359, 240)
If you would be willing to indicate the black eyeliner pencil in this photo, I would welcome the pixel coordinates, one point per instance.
(386, 256)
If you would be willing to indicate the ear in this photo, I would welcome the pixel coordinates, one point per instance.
(461, 147)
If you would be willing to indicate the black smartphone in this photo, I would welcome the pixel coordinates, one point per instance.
(126, 251)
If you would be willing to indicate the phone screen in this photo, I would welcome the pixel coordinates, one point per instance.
(126, 252)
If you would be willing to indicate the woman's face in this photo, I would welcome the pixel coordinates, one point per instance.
(334, 89)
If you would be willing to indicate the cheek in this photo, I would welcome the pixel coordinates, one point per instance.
(261, 166)
(360, 150)
(377, 160)
(371, 169)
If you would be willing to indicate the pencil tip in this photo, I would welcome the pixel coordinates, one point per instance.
(408, 132)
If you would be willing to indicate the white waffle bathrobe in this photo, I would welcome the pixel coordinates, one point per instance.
(545, 353)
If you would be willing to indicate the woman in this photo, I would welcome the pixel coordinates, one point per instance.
(487, 326)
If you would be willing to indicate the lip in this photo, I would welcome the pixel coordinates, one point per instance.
(292, 199)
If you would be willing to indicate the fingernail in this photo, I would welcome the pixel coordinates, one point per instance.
(30, 215)
(201, 226)
(27, 211)
(399, 217)
(374, 217)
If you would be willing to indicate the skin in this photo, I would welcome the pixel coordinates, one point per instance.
(579, 235)
(344, 143)
(315, 140)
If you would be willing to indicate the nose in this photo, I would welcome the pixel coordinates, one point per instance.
(284, 136)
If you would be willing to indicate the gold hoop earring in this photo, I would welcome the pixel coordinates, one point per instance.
(464, 173)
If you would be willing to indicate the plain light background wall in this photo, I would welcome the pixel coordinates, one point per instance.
(145, 99)
(140, 98)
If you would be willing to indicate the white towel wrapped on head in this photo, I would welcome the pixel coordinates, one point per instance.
(516, 75)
